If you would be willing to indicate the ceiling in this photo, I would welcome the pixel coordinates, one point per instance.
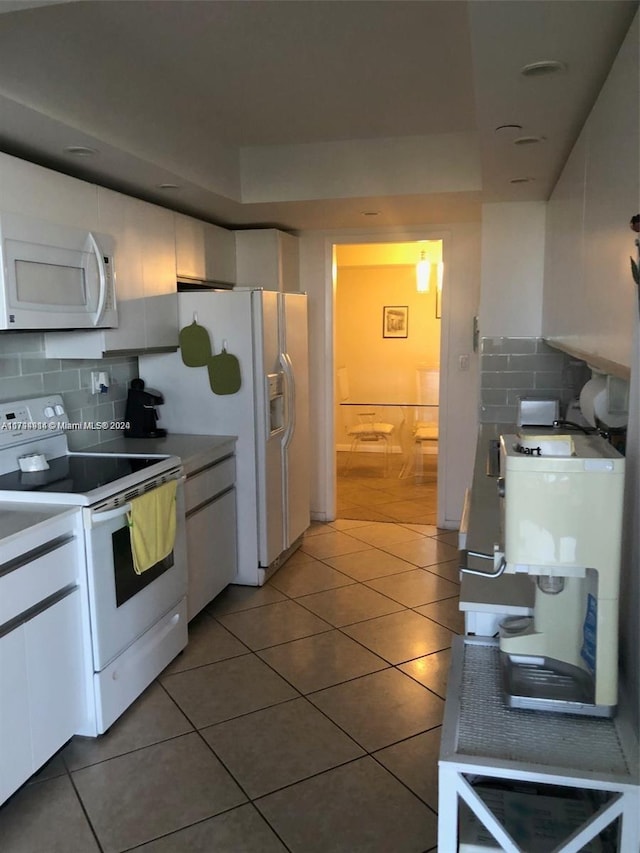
(306, 114)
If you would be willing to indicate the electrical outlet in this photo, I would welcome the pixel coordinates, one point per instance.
(95, 383)
(463, 361)
(100, 382)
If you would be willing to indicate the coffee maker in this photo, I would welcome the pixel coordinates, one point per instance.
(140, 413)
(561, 514)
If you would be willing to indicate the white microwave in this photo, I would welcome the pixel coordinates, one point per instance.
(54, 276)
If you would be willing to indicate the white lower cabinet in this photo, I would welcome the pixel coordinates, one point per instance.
(43, 672)
(211, 533)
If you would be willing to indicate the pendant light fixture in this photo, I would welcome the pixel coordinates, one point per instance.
(423, 274)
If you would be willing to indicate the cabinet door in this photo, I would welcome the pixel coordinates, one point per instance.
(15, 737)
(157, 232)
(118, 215)
(190, 250)
(211, 551)
(45, 194)
(54, 655)
(219, 254)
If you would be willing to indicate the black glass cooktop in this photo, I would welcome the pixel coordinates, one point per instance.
(75, 474)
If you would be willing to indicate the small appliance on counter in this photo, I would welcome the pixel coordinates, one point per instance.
(561, 513)
(140, 413)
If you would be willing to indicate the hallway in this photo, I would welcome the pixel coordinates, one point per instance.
(304, 716)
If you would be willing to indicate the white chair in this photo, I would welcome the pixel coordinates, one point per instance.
(368, 429)
(425, 429)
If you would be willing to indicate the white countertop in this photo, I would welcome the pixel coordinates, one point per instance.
(15, 518)
(195, 451)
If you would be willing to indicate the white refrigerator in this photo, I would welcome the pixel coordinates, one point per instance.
(269, 414)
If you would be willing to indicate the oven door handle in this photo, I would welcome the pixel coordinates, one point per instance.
(100, 517)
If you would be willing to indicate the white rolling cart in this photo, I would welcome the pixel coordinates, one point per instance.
(481, 739)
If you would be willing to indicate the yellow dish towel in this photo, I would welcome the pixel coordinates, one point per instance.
(152, 526)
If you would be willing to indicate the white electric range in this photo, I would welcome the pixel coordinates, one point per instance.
(138, 623)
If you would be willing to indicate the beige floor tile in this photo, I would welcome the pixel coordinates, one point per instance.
(380, 534)
(317, 527)
(357, 807)
(423, 552)
(449, 569)
(273, 624)
(224, 690)
(236, 597)
(431, 670)
(208, 643)
(46, 817)
(278, 746)
(348, 523)
(137, 797)
(349, 604)
(369, 564)
(305, 578)
(298, 558)
(408, 511)
(425, 529)
(362, 513)
(152, 718)
(321, 661)
(415, 588)
(401, 636)
(445, 613)
(240, 830)
(380, 709)
(368, 496)
(449, 536)
(332, 544)
(415, 762)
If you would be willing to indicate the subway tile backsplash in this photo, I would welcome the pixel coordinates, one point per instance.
(25, 371)
(524, 367)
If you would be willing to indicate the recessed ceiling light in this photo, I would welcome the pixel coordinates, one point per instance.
(370, 212)
(546, 66)
(508, 129)
(168, 186)
(529, 140)
(521, 180)
(80, 150)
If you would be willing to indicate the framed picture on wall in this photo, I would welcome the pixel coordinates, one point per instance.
(395, 321)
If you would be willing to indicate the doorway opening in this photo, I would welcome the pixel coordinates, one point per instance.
(387, 340)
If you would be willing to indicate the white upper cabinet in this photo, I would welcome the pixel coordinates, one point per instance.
(204, 252)
(44, 194)
(268, 258)
(145, 283)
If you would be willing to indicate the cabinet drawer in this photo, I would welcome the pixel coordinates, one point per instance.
(27, 581)
(210, 482)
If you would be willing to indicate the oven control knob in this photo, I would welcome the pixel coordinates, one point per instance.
(59, 410)
(48, 412)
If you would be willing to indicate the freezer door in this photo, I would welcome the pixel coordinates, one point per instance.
(270, 417)
(295, 451)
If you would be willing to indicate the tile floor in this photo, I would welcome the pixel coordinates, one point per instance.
(303, 716)
(364, 492)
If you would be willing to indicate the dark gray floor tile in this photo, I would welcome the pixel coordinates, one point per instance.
(400, 637)
(145, 794)
(279, 746)
(321, 661)
(152, 718)
(415, 762)
(380, 709)
(357, 807)
(221, 691)
(241, 830)
(46, 817)
(273, 624)
(209, 642)
(54, 767)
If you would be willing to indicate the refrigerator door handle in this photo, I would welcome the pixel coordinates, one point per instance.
(287, 369)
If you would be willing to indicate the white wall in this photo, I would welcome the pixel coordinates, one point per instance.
(513, 235)
(458, 388)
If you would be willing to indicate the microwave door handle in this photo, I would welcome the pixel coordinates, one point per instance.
(102, 275)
